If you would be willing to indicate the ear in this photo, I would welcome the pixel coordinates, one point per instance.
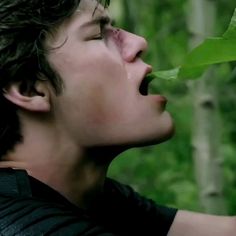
(38, 101)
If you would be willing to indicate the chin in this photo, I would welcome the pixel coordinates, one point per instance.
(166, 137)
(152, 140)
(157, 138)
(155, 141)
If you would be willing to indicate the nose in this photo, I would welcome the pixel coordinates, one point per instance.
(132, 46)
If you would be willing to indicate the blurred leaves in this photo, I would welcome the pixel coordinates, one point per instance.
(165, 172)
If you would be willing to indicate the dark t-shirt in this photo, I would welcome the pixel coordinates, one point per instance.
(31, 208)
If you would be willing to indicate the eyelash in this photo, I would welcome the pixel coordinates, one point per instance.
(102, 32)
(99, 37)
(103, 26)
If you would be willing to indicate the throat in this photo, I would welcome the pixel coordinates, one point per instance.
(83, 191)
(81, 185)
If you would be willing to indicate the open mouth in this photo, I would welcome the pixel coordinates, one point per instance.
(143, 88)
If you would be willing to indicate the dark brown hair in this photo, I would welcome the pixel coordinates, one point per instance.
(24, 25)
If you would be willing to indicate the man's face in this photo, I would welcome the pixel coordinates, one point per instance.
(102, 72)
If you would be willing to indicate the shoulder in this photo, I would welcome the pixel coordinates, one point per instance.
(127, 194)
(28, 216)
(123, 202)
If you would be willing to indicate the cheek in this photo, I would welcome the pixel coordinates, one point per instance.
(95, 102)
(100, 107)
(96, 80)
(90, 61)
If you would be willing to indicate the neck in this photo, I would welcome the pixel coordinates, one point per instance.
(76, 172)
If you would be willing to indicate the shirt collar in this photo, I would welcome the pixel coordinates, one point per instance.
(14, 183)
(17, 183)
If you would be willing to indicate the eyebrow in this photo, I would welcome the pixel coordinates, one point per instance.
(105, 20)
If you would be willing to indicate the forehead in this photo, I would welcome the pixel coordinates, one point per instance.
(86, 12)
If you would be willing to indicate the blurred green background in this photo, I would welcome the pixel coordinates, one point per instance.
(166, 172)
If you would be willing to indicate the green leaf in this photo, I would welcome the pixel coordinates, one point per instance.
(211, 51)
(167, 75)
(191, 72)
(231, 32)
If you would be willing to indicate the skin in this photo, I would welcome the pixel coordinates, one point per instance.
(100, 113)
(102, 78)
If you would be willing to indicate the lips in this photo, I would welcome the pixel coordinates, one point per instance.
(143, 90)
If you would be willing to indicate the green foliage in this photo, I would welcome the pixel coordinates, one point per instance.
(211, 51)
(231, 32)
(165, 172)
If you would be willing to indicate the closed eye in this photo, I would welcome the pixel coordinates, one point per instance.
(104, 23)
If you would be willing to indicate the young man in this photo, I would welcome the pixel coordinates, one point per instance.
(73, 97)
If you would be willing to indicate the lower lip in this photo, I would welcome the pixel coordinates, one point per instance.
(159, 99)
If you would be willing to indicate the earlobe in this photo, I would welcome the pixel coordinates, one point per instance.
(39, 101)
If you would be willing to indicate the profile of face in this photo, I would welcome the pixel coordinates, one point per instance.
(101, 103)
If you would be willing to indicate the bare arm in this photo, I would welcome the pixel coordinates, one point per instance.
(196, 224)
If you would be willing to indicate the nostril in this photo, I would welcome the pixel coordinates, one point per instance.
(139, 54)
